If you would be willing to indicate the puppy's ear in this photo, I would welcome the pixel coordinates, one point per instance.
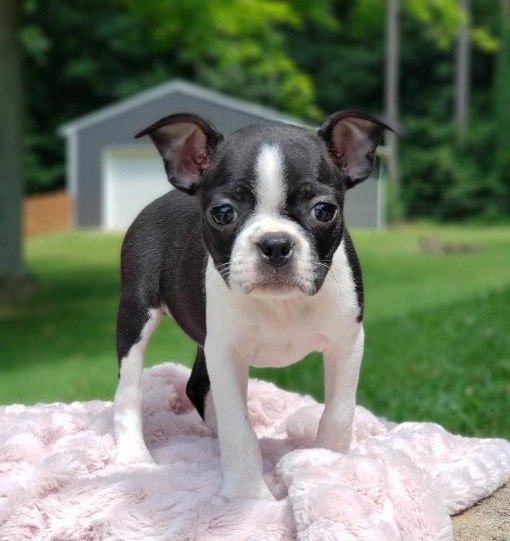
(352, 137)
(186, 144)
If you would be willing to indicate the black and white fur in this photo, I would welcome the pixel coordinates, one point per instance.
(252, 258)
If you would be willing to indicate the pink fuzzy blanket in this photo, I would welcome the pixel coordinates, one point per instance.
(58, 481)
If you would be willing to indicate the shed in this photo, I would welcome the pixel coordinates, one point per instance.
(111, 176)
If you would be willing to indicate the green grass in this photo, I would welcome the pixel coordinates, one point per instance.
(437, 327)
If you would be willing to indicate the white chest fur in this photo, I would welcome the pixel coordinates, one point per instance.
(278, 332)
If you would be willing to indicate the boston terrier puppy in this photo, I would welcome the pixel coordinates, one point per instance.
(251, 257)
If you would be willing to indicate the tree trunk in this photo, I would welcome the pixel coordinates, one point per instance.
(11, 141)
(392, 84)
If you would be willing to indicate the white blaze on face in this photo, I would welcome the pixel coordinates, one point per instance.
(270, 177)
(247, 271)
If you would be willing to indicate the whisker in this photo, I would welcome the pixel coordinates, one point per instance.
(223, 269)
(336, 275)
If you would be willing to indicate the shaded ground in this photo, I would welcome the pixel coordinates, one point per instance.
(489, 520)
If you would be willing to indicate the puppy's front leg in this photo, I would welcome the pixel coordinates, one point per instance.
(341, 373)
(241, 460)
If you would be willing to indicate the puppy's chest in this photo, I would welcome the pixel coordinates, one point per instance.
(284, 333)
(280, 337)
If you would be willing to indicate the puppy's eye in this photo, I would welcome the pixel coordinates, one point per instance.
(224, 214)
(324, 212)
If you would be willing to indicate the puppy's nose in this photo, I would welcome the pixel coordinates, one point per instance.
(275, 248)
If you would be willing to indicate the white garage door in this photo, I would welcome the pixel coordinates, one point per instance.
(132, 178)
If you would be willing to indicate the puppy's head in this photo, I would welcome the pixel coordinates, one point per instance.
(271, 194)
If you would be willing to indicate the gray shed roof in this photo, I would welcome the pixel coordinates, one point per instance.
(165, 89)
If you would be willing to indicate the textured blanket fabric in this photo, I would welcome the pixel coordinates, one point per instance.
(59, 482)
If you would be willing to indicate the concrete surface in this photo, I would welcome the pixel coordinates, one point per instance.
(488, 520)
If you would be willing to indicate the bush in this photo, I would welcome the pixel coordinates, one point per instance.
(449, 180)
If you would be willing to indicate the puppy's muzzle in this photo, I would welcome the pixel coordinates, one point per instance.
(276, 249)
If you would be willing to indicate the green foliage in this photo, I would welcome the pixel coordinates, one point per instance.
(68, 74)
(345, 62)
(441, 18)
(237, 46)
(502, 94)
(442, 178)
(453, 182)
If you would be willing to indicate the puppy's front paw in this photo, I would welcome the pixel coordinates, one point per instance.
(334, 433)
(339, 444)
(128, 455)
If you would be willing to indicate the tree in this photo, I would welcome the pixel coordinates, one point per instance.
(11, 260)
(237, 46)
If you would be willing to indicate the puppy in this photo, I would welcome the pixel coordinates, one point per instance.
(252, 258)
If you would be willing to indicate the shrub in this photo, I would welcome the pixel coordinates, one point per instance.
(447, 179)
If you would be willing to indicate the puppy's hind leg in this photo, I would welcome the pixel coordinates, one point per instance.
(198, 390)
(135, 324)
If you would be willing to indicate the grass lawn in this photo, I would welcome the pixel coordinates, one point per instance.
(437, 327)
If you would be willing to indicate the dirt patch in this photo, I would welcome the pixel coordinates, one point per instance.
(47, 213)
(488, 520)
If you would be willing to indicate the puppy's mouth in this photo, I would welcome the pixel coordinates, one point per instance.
(276, 291)
(274, 283)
